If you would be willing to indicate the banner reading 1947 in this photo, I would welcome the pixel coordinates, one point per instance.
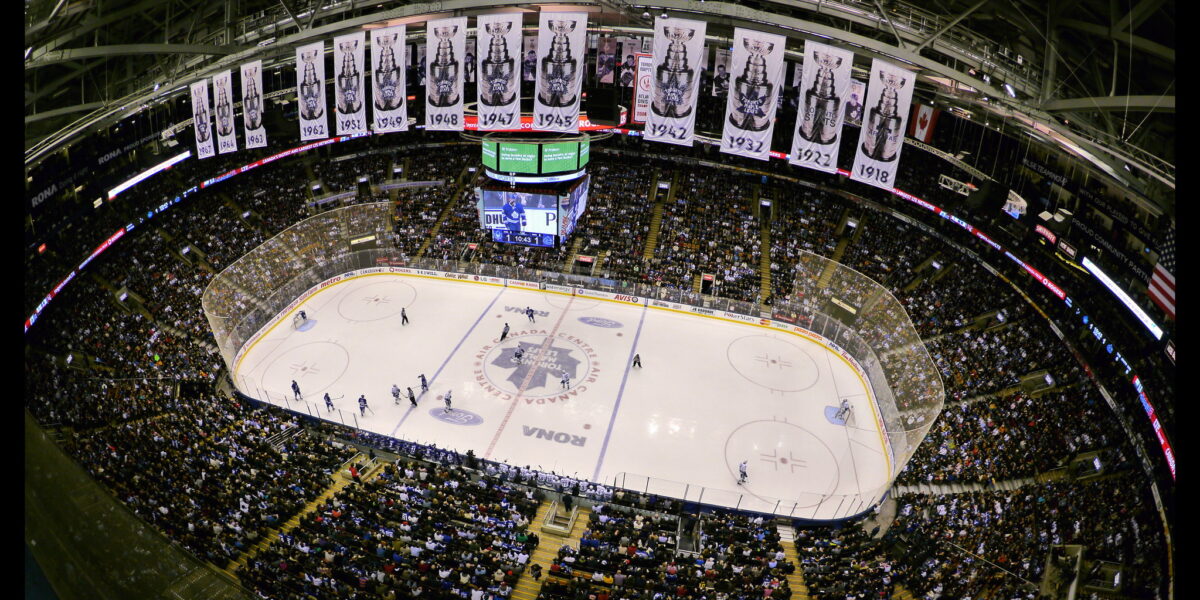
(678, 50)
(753, 93)
(562, 46)
(499, 87)
(889, 94)
(388, 64)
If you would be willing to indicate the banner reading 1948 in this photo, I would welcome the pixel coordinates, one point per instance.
(445, 42)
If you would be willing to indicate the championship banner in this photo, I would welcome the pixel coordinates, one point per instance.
(881, 138)
(351, 115)
(643, 91)
(721, 72)
(252, 105)
(923, 119)
(529, 60)
(750, 109)
(854, 103)
(421, 70)
(630, 47)
(606, 59)
(823, 89)
(201, 122)
(562, 46)
(445, 43)
(310, 89)
(499, 89)
(678, 50)
(469, 62)
(388, 79)
(223, 109)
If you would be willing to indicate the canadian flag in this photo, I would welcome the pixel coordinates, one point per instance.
(920, 126)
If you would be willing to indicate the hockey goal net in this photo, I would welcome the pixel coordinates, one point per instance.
(298, 320)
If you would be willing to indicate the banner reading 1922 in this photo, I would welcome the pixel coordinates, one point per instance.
(678, 52)
(753, 93)
(310, 90)
(824, 85)
(889, 94)
(499, 87)
(561, 48)
(351, 113)
(388, 63)
(445, 43)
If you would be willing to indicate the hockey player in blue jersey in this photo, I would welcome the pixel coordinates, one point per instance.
(514, 213)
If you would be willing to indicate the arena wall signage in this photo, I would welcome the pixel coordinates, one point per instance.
(643, 88)
(823, 89)
(561, 48)
(881, 137)
(499, 90)
(445, 46)
(348, 90)
(310, 91)
(750, 107)
(678, 50)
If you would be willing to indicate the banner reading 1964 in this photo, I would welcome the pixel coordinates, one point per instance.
(388, 64)
(201, 119)
(252, 105)
(348, 90)
(223, 110)
(499, 87)
(310, 90)
(678, 51)
(757, 69)
(889, 94)
(824, 84)
(445, 42)
(562, 46)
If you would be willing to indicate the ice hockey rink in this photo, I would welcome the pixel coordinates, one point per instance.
(710, 394)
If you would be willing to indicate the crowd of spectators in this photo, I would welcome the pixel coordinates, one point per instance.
(843, 563)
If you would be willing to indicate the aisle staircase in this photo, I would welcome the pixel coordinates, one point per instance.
(600, 256)
(656, 219)
(447, 210)
(764, 263)
(548, 545)
(787, 539)
(834, 260)
(567, 266)
(902, 594)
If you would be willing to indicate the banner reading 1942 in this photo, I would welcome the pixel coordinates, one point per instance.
(252, 105)
(889, 94)
(445, 42)
(223, 110)
(678, 50)
(562, 46)
(824, 85)
(310, 89)
(757, 69)
(201, 119)
(388, 64)
(351, 114)
(499, 71)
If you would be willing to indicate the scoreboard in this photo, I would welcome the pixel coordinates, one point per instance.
(536, 158)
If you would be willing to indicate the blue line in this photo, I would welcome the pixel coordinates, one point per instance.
(452, 353)
(617, 405)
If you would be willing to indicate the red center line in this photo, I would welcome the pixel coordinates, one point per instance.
(541, 351)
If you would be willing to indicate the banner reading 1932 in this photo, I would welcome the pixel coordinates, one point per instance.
(201, 119)
(348, 88)
(889, 94)
(757, 70)
(561, 48)
(388, 63)
(824, 85)
(310, 90)
(445, 43)
(252, 105)
(499, 87)
(678, 51)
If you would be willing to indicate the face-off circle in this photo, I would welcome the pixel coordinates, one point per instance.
(538, 373)
(314, 366)
(773, 363)
(802, 468)
(376, 301)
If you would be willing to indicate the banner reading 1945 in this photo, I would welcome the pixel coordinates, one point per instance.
(201, 119)
(388, 63)
(562, 46)
(445, 42)
(348, 90)
(889, 94)
(750, 109)
(824, 84)
(310, 90)
(678, 50)
(252, 105)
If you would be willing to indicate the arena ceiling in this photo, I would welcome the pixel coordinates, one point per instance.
(1092, 78)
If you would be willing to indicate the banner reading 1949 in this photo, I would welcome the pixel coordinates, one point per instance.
(388, 63)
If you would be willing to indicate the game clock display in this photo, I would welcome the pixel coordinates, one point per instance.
(504, 236)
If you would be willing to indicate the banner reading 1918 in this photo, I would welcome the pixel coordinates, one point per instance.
(223, 110)
(678, 51)
(388, 64)
(445, 42)
(310, 90)
(252, 105)
(562, 47)
(201, 119)
(889, 94)
(757, 72)
(824, 85)
(351, 111)
(499, 87)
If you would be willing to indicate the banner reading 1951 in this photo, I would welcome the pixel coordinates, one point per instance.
(445, 43)
(824, 85)
(678, 51)
(757, 71)
(889, 94)
(561, 50)
(388, 63)
(348, 88)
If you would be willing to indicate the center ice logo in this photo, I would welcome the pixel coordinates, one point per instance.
(536, 364)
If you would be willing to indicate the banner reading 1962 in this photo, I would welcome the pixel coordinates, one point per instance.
(351, 114)
(889, 94)
(499, 87)
(388, 63)
(445, 42)
(252, 105)
(757, 71)
(201, 119)
(824, 85)
(310, 90)
(678, 51)
(223, 110)
(562, 47)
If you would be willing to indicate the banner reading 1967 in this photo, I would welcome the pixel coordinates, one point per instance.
(824, 85)
(388, 64)
(889, 94)
(351, 114)
(678, 52)
(252, 105)
(310, 90)
(561, 49)
(445, 42)
(757, 66)
(201, 119)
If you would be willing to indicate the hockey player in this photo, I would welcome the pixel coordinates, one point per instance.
(328, 402)
(519, 355)
(566, 381)
(396, 393)
(504, 334)
(514, 213)
(411, 397)
(296, 389)
(447, 399)
(403, 316)
(303, 317)
(424, 384)
(362, 405)
(637, 360)
(529, 313)
(742, 476)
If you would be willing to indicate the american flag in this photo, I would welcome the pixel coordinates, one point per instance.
(1162, 283)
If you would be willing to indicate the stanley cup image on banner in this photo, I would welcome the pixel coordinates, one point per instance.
(562, 39)
(750, 108)
(310, 90)
(387, 79)
(351, 112)
(824, 84)
(223, 109)
(445, 42)
(889, 94)
(201, 119)
(252, 105)
(499, 73)
(678, 48)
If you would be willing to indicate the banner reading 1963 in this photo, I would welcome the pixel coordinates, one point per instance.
(499, 87)
(757, 74)
(388, 64)
(824, 84)
(223, 110)
(252, 105)
(678, 51)
(889, 94)
(562, 48)
(445, 42)
(201, 119)
(310, 90)
(351, 114)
